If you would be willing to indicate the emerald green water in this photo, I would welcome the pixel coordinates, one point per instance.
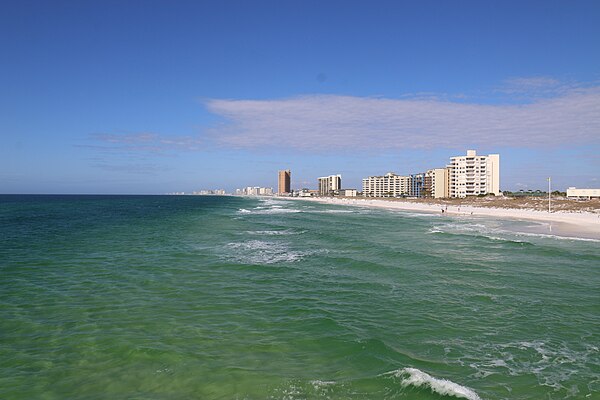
(157, 297)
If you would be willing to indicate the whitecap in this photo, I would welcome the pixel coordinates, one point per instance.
(317, 384)
(548, 236)
(335, 211)
(506, 233)
(417, 378)
(479, 230)
(265, 210)
(277, 210)
(263, 252)
(275, 233)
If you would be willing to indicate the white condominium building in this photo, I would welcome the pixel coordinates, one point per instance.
(256, 191)
(472, 175)
(388, 185)
(330, 184)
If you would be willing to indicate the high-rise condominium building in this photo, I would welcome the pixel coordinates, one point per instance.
(284, 182)
(472, 175)
(388, 185)
(436, 183)
(329, 185)
(415, 185)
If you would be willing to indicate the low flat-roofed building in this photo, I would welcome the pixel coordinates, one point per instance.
(573, 192)
(349, 192)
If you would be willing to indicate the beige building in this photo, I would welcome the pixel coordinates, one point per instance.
(284, 182)
(329, 185)
(349, 192)
(436, 183)
(472, 175)
(255, 191)
(388, 185)
(573, 192)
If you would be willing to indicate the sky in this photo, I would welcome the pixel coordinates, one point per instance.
(151, 97)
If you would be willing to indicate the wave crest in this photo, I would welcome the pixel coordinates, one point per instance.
(417, 378)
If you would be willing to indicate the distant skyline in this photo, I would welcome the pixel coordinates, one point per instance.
(156, 96)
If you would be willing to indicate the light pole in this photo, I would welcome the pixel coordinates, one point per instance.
(549, 190)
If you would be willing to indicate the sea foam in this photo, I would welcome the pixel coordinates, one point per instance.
(263, 252)
(271, 210)
(417, 378)
(275, 233)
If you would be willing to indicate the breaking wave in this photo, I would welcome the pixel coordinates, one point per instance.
(417, 378)
(275, 233)
(549, 236)
(263, 252)
(272, 210)
(500, 233)
(402, 384)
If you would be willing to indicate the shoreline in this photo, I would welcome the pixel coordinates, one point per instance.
(583, 225)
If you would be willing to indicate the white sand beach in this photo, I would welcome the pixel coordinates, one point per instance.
(580, 224)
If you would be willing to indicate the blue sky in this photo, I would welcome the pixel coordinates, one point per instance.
(162, 96)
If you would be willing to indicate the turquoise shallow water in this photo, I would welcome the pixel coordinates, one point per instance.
(133, 297)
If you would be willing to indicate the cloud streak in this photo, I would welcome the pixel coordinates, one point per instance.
(144, 142)
(331, 122)
(130, 168)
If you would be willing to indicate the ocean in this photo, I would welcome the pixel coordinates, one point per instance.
(194, 297)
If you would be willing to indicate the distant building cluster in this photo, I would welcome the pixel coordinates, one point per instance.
(468, 175)
(203, 192)
(465, 175)
(216, 192)
(254, 191)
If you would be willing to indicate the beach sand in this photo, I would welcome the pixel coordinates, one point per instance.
(577, 224)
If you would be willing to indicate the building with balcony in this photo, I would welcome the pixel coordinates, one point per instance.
(416, 183)
(473, 175)
(330, 185)
(388, 185)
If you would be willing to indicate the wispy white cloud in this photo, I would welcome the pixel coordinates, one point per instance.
(531, 83)
(535, 87)
(131, 168)
(145, 142)
(330, 122)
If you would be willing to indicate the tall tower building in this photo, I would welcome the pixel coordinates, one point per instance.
(284, 182)
(472, 175)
